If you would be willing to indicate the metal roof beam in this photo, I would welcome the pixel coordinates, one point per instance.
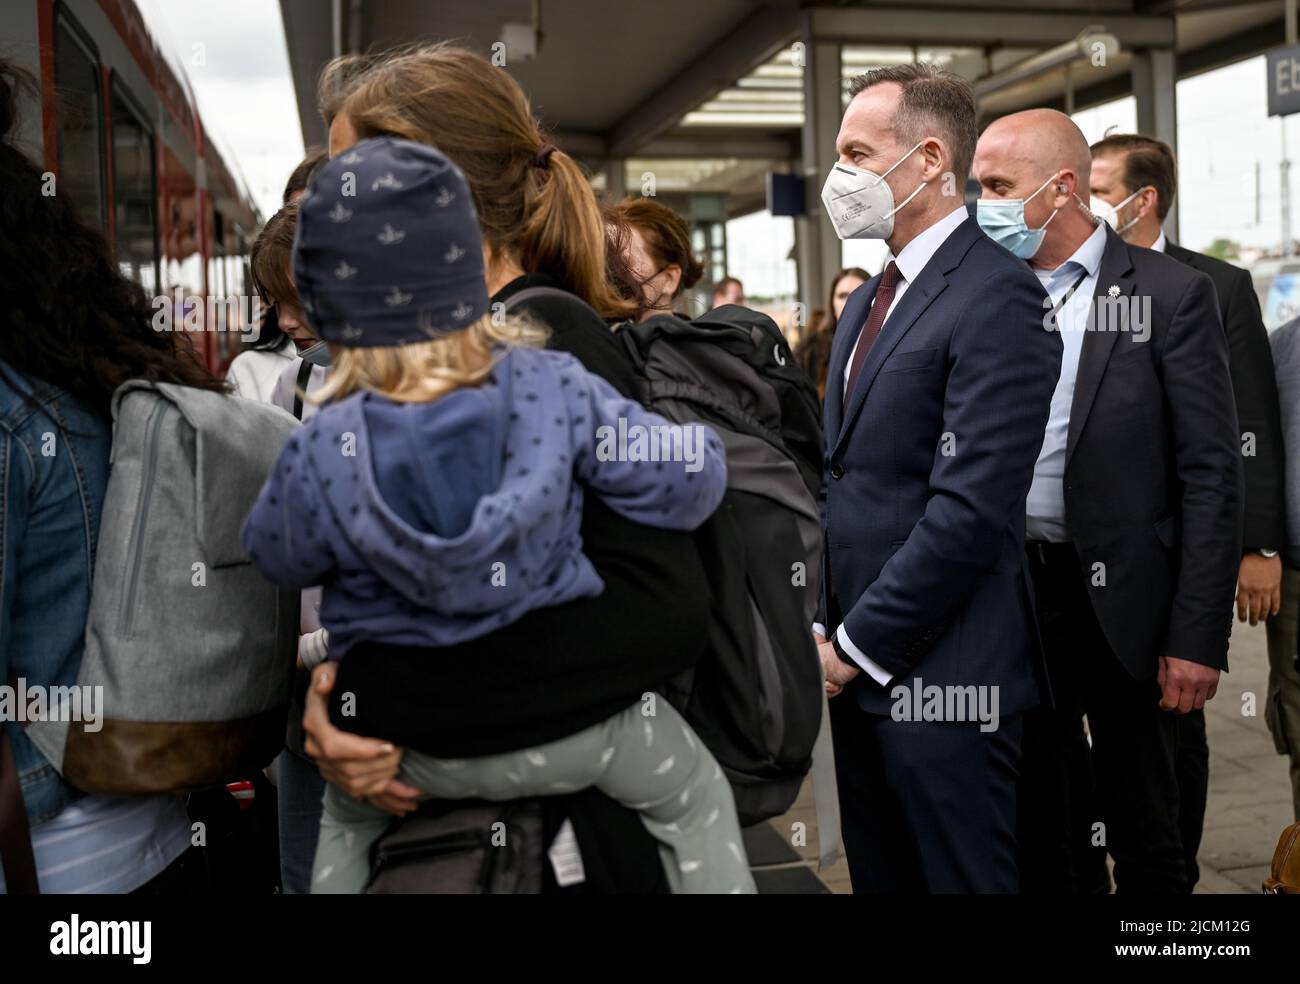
(774, 149)
(735, 55)
(904, 25)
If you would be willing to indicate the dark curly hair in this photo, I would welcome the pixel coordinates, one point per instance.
(70, 317)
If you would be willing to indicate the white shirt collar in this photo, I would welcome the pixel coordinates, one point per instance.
(916, 254)
(1160, 243)
(1088, 255)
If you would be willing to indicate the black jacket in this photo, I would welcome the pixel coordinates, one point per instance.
(558, 669)
(1153, 470)
(1254, 388)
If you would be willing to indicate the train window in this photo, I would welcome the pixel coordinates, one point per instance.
(80, 114)
(135, 198)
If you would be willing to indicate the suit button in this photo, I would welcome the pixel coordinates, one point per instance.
(837, 471)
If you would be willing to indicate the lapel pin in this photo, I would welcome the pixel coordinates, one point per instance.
(1113, 290)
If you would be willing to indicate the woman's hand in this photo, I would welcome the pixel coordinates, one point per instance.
(361, 767)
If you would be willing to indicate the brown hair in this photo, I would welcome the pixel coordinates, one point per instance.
(932, 99)
(271, 259)
(828, 320)
(537, 208)
(721, 286)
(304, 172)
(666, 234)
(814, 349)
(336, 82)
(1148, 162)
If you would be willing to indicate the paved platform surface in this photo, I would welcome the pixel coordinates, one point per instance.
(1249, 804)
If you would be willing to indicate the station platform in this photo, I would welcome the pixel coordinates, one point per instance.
(1249, 803)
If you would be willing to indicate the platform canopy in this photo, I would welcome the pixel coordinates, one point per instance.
(711, 95)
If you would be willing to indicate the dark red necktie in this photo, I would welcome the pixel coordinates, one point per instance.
(871, 330)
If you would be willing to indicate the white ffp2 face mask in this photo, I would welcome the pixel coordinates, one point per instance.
(860, 203)
(1109, 213)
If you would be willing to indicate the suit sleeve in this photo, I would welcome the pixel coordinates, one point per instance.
(1207, 458)
(821, 617)
(1254, 388)
(1003, 368)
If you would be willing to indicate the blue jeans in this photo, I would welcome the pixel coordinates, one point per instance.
(299, 792)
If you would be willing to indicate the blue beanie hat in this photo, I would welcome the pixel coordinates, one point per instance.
(388, 249)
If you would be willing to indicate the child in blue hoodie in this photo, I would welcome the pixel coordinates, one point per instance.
(438, 497)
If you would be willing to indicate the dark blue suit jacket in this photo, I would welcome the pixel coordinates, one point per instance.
(926, 473)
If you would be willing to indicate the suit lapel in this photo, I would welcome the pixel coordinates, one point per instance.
(929, 284)
(1098, 342)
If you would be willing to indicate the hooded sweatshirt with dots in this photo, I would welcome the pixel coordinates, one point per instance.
(430, 524)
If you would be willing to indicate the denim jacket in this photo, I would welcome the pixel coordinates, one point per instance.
(53, 470)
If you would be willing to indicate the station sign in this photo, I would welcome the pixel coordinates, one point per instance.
(1284, 81)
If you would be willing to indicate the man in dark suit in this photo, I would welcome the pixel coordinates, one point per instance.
(1134, 180)
(1133, 516)
(938, 391)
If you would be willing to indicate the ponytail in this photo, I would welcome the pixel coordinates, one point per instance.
(534, 202)
(564, 235)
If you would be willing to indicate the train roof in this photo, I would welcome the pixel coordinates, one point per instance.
(166, 72)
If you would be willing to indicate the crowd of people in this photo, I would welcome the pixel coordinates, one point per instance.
(1053, 454)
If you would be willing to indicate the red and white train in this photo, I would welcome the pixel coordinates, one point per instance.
(119, 128)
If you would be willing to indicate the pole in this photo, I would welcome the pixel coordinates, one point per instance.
(1284, 166)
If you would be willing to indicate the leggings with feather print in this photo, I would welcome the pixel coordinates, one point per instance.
(654, 764)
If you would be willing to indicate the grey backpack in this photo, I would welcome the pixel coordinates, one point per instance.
(189, 650)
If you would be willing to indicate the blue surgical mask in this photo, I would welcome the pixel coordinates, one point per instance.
(1003, 219)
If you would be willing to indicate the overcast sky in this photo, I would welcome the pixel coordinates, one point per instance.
(235, 56)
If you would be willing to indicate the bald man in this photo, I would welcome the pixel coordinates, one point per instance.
(1133, 517)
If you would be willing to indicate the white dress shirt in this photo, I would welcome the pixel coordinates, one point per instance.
(1160, 243)
(1045, 508)
(911, 261)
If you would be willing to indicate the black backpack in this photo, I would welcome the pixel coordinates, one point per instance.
(757, 697)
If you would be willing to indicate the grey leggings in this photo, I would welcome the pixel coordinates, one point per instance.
(650, 762)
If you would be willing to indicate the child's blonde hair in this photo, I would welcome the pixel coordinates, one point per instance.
(424, 371)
